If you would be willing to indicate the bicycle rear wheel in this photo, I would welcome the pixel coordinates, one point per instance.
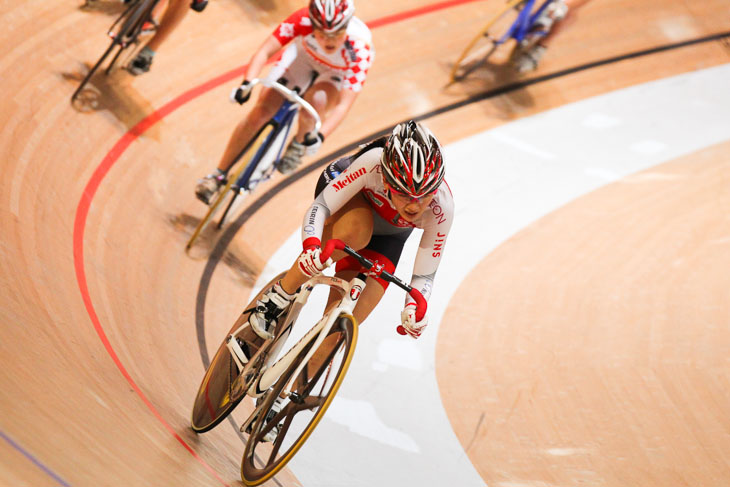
(313, 392)
(124, 31)
(223, 386)
(482, 48)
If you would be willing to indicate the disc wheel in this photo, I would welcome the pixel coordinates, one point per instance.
(312, 393)
(223, 385)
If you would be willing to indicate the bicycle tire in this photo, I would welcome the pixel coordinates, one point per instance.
(91, 72)
(258, 451)
(130, 20)
(485, 43)
(219, 392)
(224, 193)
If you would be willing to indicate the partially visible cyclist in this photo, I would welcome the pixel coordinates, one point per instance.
(554, 19)
(327, 61)
(171, 13)
(372, 201)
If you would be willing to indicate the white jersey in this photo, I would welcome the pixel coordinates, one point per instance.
(364, 176)
(352, 61)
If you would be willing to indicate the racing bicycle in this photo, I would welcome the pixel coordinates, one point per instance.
(293, 388)
(517, 20)
(124, 32)
(269, 142)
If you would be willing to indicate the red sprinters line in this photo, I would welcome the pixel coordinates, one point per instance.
(82, 212)
(84, 205)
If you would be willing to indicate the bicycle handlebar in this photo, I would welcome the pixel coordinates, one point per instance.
(421, 304)
(290, 95)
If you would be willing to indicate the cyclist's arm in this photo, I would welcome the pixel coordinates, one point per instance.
(270, 47)
(354, 80)
(291, 27)
(431, 248)
(334, 196)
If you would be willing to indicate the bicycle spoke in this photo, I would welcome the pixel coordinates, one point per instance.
(291, 425)
(279, 437)
(312, 402)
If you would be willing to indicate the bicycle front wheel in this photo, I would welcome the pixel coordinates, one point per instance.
(481, 49)
(312, 393)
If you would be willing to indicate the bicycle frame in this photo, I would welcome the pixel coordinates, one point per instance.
(520, 29)
(525, 20)
(351, 292)
(283, 120)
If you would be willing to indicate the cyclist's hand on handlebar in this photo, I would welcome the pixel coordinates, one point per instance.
(242, 93)
(408, 321)
(310, 262)
(312, 142)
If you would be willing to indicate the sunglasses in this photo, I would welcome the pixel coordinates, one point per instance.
(407, 196)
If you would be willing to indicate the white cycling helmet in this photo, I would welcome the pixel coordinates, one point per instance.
(331, 15)
(412, 162)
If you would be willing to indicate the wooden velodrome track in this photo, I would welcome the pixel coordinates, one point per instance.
(100, 351)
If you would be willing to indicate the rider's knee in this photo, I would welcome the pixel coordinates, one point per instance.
(353, 225)
(262, 112)
(322, 96)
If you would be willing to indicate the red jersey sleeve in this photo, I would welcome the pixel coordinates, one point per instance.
(297, 24)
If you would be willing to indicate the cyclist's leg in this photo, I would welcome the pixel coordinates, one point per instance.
(386, 249)
(266, 107)
(171, 13)
(562, 15)
(566, 20)
(323, 96)
(353, 224)
(385, 246)
(174, 14)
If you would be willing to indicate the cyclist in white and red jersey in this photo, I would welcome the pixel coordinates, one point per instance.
(372, 201)
(328, 56)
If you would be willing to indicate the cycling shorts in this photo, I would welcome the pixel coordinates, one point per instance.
(296, 70)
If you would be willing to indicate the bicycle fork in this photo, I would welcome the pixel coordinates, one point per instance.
(268, 376)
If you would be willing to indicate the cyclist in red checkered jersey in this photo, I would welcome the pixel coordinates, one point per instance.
(328, 54)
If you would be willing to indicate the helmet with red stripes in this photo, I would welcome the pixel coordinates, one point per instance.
(412, 161)
(331, 15)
